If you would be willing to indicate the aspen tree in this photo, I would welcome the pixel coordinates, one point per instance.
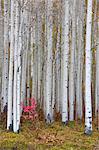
(53, 89)
(15, 67)
(28, 54)
(1, 54)
(79, 60)
(19, 67)
(65, 57)
(45, 58)
(58, 63)
(0, 48)
(72, 63)
(97, 76)
(39, 48)
(34, 50)
(49, 61)
(88, 106)
(6, 47)
(24, 56)
(10, 85)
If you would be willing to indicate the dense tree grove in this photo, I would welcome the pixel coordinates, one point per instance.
(49, 51)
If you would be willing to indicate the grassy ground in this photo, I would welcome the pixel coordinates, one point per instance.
(39, 136)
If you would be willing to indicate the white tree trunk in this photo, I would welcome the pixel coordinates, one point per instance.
(79, 60)
(24, 57)
(45, 59)
(72, 64)
(39, 46)
(34, 53)
(65, 56)
(1, 55)
(57, 68)
(97, 79)
(28, 75)
(53, 90)
(19, 70)
(49, 61)
(15, 67)
(28, 56)
(10, 85)
(88, 106)
(6, 46)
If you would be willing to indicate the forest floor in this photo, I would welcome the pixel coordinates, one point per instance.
(39, 136)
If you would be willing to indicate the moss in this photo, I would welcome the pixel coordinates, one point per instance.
(48, 137)
(71, 124)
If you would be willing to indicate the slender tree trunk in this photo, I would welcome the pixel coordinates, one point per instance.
(72, 64)
(97, 77)
(49, 61)
(53, 89)
(79, 61)
(6, 46)
(88, 106)
(34, 53)
(58, 67)
(65, 58)
(24, 57)
(45, 59)
(28, 56)
(10, 85)
(19, 67)
(15, 67)
(1, 55)
(39, 54)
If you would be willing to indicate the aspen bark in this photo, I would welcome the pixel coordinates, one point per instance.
(72, 64)
(15, 67)
(10, 85)
(88, 106)
(6, 47)
(1, 55)
(49, 61)
(65, 58)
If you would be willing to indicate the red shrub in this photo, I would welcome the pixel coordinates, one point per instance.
(29, 112)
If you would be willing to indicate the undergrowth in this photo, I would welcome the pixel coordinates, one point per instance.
(39, 136)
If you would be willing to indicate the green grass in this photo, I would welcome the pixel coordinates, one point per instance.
(39, 136)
